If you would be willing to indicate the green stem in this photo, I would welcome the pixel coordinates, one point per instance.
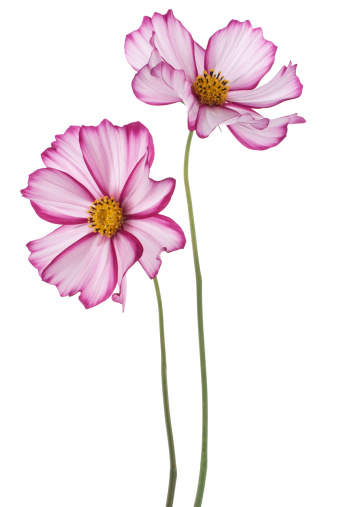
(173, 468)
(204, 451)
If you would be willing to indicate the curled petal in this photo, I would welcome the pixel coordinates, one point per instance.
(241, 53)
(156, 234)
(155, 59)
(141, 196)
(174, 43)
(120, 297)
(210, 116)
(57, 197)
(112, 152)
(137, 45)
(128, 250)
(262, 139)
(66, 155)
(193, 113)
(284, 86)
(161, 85)
(45, 249)
(89, 266)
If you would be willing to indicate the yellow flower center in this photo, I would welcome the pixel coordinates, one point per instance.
(105, 216)
(211, 89)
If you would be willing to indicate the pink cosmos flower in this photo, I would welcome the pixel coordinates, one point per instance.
(96, 185)
(219, 84)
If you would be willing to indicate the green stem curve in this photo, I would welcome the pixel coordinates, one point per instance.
(204, 451)
(173, 467)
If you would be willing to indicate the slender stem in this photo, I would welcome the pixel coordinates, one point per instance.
(173, 468)
(204, 451)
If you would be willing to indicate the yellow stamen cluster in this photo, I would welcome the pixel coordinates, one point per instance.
(105, 216)
(211, 89)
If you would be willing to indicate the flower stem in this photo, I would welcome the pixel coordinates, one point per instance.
(173, 468)
(204, 451)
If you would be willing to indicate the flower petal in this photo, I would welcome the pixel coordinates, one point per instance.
(120, 297)
(112, 152)
(199, 58)
(45, 249)
(210, 116)
(143, 197)
(89, 266)
(137, 45)
(193, 114)
(57, 197)
(284, 86)
(128, 250)
(156, 234)
(175, 79)
(262, 139)
(174, 43)
(240, 53)
(66, 155)
(160, 85)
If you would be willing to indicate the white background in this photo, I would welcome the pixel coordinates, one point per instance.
(80, 395)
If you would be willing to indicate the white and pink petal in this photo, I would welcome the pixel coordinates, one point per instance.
(199, 58)
(156, 234)
(161, 85)
(88, 266)
(176, 80)
(137, 45)
(44, 250)
(112, 152)
(209, 117)
(120, 297)
(263, 139)
(241, 54)
(141, 196)
(193, 113)
(284, 86)
(128, 250)
(66, 155)
(57, 197)
(174, 43)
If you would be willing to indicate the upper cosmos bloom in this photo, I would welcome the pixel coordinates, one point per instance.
(217, 84)
(96, 185)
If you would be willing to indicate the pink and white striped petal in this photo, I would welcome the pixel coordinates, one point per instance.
(45, 249)
(89, 266)
(156, 234)
(141, 196)
(112, 152)
(174, 43)
(137, 45)
(161, 85)
(121, 297)
(57, 197)
(210, 116)
(199, 58)
(175, 79)
(128, 250)
(241, 54)
(262, 139)
(155, 59)
(284, 86)
(66, 155)
(193, 113)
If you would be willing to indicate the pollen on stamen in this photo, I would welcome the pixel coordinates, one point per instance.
(105, 216)
(211, 89)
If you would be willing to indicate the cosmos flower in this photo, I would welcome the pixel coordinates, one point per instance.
(219, 84)
(96, 185)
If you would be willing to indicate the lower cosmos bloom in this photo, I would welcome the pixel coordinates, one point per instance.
(219, 84)
(96, 185)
